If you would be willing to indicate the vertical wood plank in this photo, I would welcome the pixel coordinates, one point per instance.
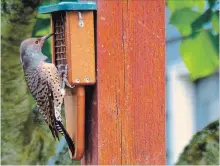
(130, 96)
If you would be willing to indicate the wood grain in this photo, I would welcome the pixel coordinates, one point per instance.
(80, 48)
(130, 95)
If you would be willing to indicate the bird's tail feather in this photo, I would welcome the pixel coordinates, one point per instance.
(67, 137)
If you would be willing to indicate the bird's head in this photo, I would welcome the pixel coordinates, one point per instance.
(30, 49)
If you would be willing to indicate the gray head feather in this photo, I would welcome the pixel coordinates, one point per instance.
(30, 52)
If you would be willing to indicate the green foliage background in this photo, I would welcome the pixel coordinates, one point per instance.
(200, 45)
(25, 139)
(198, 23)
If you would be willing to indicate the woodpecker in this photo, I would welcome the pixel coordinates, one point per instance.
(46, 84)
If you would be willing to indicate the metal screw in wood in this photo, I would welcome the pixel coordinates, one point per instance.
(81, 23)
(78, 80)
(87, 79)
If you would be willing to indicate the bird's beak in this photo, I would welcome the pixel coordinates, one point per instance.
(46, 37)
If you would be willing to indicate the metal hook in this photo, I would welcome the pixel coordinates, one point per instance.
(81, 23)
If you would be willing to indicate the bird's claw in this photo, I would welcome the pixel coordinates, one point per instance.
(65, 78)
(63, 74)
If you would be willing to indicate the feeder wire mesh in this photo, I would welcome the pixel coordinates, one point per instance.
(59, 20)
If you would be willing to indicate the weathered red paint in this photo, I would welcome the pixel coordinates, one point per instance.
(126, 122)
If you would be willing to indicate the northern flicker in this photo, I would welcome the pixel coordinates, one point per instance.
(45, 84)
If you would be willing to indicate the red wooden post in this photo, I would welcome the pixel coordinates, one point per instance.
(126, 114)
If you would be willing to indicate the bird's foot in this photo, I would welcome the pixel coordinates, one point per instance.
(63, 69)
(65, 78)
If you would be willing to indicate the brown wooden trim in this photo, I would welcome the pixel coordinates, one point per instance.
(74, 102)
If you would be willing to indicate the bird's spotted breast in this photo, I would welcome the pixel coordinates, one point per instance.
(44, 82)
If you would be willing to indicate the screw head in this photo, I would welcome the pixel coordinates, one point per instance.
(78, 80)
(81, 24)
(87, 79)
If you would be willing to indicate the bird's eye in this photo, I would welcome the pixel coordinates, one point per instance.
(36, 42)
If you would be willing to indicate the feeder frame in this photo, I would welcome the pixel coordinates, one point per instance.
(72, 23)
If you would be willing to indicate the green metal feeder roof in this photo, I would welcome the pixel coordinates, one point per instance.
(67, 5)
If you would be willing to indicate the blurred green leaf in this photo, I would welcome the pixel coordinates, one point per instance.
(215, 22)
(203, 19)
(212, 3)
(200, 4)
(182, 20)
(175, 5)
(200, 54)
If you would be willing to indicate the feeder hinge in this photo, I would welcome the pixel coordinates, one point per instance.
(81, 23)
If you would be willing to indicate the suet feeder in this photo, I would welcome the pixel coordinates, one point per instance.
(73, 43)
